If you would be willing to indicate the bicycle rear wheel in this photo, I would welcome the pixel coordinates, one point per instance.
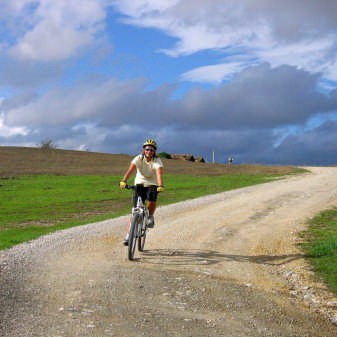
(142, 237)
(133, 235)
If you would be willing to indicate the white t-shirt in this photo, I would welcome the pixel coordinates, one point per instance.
(146, 170)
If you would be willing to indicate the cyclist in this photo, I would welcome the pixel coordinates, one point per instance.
(149, 178)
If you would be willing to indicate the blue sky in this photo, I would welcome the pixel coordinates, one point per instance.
(251, 79)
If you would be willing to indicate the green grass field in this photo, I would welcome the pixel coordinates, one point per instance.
(35, 205)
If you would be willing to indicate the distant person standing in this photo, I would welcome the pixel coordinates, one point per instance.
(149, 178)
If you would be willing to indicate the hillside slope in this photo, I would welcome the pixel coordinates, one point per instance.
(15, 161)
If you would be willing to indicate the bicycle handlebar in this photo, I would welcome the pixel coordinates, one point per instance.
(133, 187)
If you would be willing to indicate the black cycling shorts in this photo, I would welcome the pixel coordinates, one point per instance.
(146, 193)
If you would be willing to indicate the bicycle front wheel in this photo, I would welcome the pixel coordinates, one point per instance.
(142, 236)
(133, 235)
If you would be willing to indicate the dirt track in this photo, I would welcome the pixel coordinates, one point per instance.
(224, 265)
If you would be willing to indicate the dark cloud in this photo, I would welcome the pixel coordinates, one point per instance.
(236, 119)
(313, 147)
(21, 75)
(293, 20)
(258, 97)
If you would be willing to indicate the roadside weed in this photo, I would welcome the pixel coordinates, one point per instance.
(320, 245)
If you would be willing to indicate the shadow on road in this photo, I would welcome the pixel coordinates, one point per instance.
(209, 257)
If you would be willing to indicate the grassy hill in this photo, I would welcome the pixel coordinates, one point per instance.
(18, 161)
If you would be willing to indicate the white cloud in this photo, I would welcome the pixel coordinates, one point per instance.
(299, 33)
(55, 30)
(216, 73)
(68, 42)
(310, 55)
(138, 8)
(8, 131)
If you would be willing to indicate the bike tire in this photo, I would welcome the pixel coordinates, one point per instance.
(133, 234)
(142, 237)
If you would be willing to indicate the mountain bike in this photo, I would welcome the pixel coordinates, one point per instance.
(138, 225)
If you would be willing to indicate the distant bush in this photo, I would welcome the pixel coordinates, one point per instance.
(164, 155)
(47, 144)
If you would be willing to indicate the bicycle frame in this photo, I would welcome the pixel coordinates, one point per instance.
(142, 210)
(140, 207)
(138, 225)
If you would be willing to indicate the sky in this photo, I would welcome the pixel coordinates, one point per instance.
(255, 80)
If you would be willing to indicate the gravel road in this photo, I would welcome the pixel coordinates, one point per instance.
(221, 265)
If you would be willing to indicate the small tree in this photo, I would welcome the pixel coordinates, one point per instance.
(164, 155)
(47, 144)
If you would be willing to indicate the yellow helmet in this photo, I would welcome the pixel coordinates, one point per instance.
(150, 142)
